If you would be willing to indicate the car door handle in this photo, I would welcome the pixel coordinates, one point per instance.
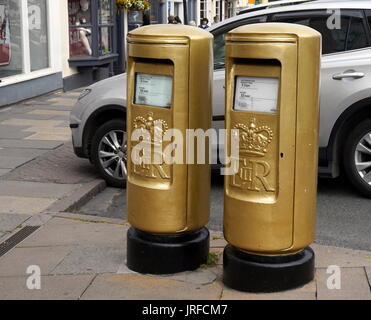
(354, 75)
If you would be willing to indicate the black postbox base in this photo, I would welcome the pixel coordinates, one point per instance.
(166, 254)
(253, 273)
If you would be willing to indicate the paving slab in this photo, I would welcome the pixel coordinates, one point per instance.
(217, 239)
(91, 260)
(16, 262)
(24, 205)
(105, 203)
(307, 292)
(21, 109)
(13, 162)
(142, 287)
(5, 116)
(65, 119)
(10, 221)
(28, 115)
(342, 257)
(42, 100)
(50, 137)
(65, 101)
(50, 112)
(2, 236)
(368, 273)
(52, 288)
(36, 189)
(219, 253)
(27, 144)
(18, 152)
(354, 285)
(59, 166)
(199, 276)
(66, 232)
(38, 219)
(4, 171)
(12, 131)
(62, 107)
(50, 130)
(30, 123)
(79, 197)
(94, 219)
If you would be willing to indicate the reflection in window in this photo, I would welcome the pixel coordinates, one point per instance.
(104, 40)
(11, 57)
(219, 51)
(105, 27)
(350, 36)
(357, 38)
(219, 41)
(38, 34)
(80, 27)
(105, 11)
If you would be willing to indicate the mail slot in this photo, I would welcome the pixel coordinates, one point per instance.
(169, 83)
(272, 84)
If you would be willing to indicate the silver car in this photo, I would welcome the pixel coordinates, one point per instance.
(98, 118)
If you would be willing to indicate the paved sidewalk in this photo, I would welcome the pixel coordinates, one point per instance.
(83, 257)
(38, 170)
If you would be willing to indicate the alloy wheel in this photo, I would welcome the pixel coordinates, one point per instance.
(113, 154)
(363, 158)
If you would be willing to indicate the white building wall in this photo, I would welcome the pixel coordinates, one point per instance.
(64, 52)
(211, 9)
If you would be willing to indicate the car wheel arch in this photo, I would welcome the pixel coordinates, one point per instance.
(355, 113)
(96, 119)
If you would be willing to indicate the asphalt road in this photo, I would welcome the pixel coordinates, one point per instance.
(343, 216)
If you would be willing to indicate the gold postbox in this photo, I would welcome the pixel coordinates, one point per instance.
(169, 87)
(272, 84)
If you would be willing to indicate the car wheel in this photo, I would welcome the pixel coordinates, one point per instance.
(357, 157)
(109, 152)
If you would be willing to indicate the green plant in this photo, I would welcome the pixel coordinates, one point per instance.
(212, 259)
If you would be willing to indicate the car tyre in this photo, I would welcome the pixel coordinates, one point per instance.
(109, 152)
(357, 157)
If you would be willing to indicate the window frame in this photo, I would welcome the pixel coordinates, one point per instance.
(96, 59)
(53, 45)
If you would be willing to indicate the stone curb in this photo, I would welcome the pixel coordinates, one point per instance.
(79, 197)
(88, 218)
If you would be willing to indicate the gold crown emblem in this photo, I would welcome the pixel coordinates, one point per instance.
(254, 140)
(157, 128)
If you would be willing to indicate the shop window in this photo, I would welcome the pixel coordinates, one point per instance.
(38, 34)
(91, 28)
(79, 13)
(11, 52)
(105, 27)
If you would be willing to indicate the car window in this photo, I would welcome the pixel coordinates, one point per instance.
(351, 34)
(219, 39)
(357, 37)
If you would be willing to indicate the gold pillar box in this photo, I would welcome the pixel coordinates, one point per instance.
(169, 87)
(272, 84)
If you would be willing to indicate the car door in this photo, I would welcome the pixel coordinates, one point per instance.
(345, 66)
(219, 73)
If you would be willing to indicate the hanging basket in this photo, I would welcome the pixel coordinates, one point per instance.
(133, 5)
